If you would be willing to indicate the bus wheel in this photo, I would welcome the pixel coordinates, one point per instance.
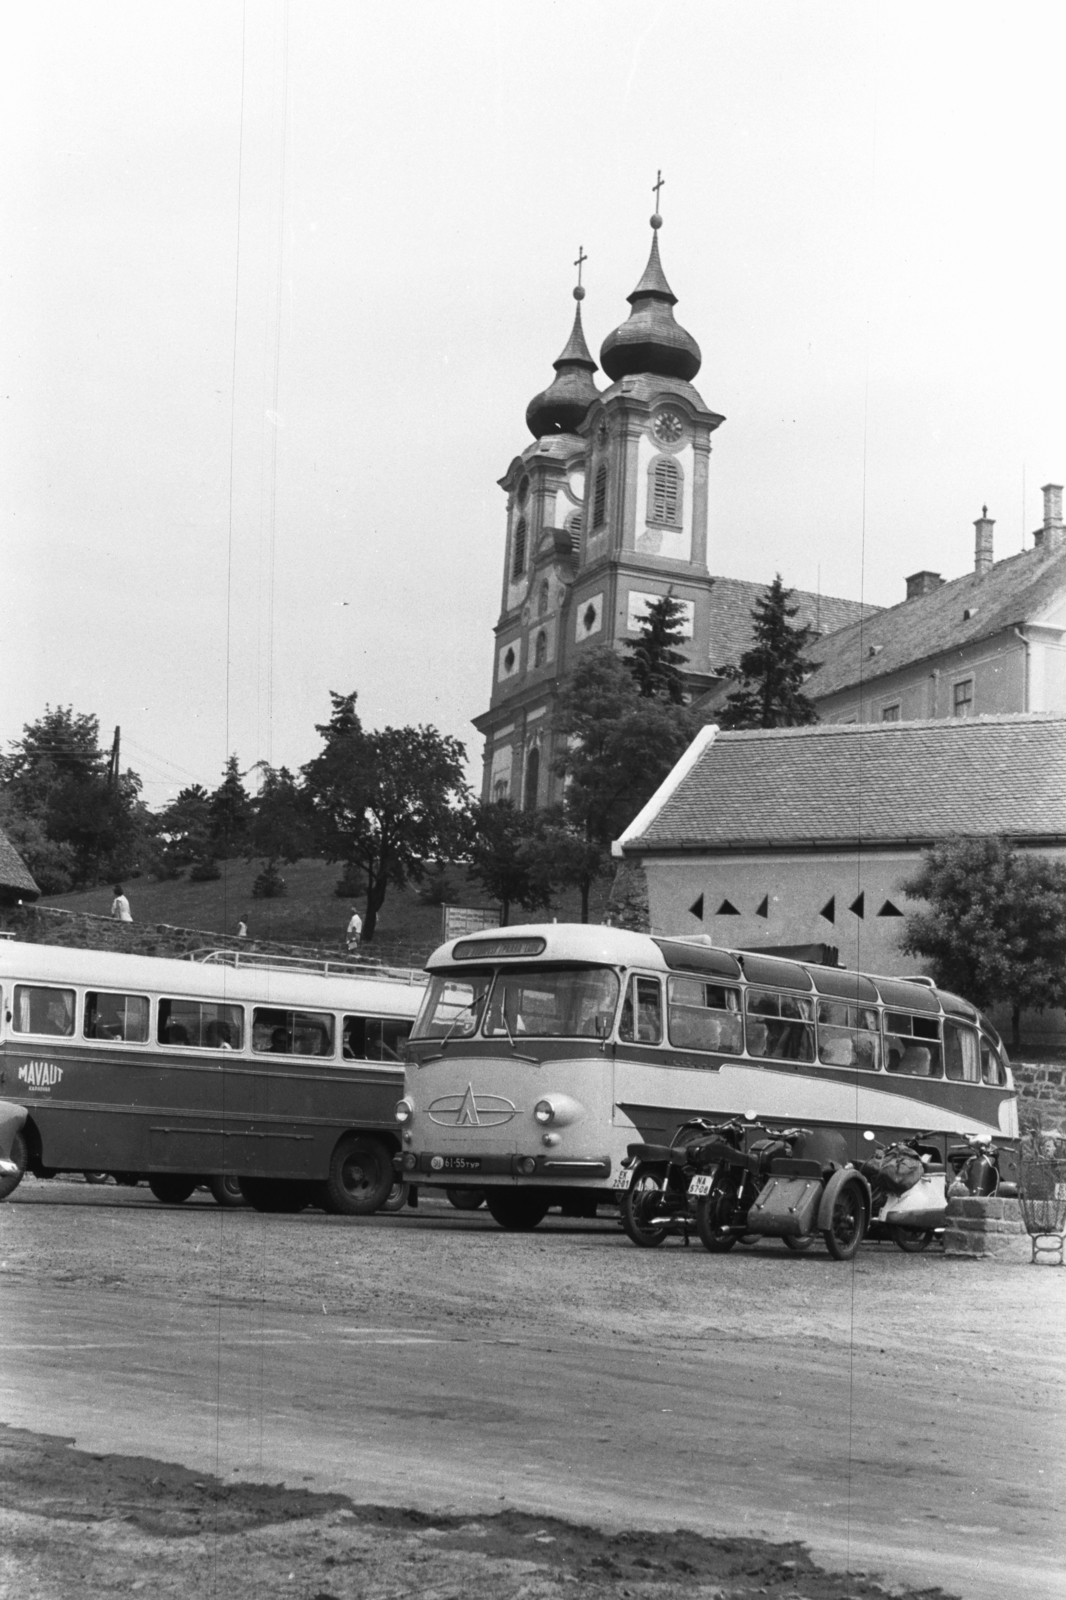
(912, 1240)
(227, 1190)
(360, 1177)
(641, 1203)
(848, 1226)
(172, 1189)
(517, 1210)
(9, 1181)
(466, 1199)
(397, 1198)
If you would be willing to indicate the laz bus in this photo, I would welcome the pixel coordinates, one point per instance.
(541, 1052)
(274, 1072)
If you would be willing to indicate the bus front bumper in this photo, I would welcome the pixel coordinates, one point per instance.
(427, 1167)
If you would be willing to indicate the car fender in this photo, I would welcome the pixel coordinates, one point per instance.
(842, 1176)
(12, 1120)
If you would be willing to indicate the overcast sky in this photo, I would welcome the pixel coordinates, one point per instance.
(280, 282)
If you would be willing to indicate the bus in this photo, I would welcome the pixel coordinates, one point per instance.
(280, 1074)
(541, 1052)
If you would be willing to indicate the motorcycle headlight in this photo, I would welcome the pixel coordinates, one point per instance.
(404, 1110)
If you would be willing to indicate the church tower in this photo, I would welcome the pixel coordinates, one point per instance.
(607, 511)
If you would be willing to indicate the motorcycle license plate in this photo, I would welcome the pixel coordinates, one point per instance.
(623, 1178)
(701, 1184)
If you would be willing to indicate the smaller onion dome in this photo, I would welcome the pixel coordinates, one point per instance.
(650, 340)
(562, 406)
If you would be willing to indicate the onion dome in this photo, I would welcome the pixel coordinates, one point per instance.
(562, 406)
(651, 341)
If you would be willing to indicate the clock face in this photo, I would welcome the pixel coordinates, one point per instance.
(668, 427)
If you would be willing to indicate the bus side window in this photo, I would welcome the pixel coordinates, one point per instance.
(119, 1018)
(848, 1036)
(201, 1024)
(912, 1045)
(961, 1059)
(291, 1033)
(993, 1071)
(46, 1011)
(642, 1012)
(780, 1026)
(353, 1039)
(704, 1016)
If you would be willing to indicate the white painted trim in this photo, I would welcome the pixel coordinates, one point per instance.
(644, 818)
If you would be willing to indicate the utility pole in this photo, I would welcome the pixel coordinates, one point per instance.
(112, 765)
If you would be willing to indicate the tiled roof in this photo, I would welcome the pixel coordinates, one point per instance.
(730, 616)
(837, 783)
(13, 873)
(1013, 591)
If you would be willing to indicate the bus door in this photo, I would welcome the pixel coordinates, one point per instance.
(372, 1058)
(293, 1057)
(184, 1096)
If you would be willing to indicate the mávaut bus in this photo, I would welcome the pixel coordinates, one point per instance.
(282, 1073)
(542, 1052)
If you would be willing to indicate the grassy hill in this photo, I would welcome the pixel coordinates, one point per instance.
(309, 912)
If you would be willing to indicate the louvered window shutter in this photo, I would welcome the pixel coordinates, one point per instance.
(665, 493)
(518, 564)
(599, 502)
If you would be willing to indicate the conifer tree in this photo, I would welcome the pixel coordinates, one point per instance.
(657, 662)
(772, 672)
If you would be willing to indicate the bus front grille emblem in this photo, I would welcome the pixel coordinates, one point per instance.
(470, 1110)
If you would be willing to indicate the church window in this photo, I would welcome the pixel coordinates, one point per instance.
(540, 649)
(509, 661)
(664, 492)
(518, 562)
(962, 698)
(572, 525)
(599, 497)
(542, 599)
(532, 779)
(523, 491)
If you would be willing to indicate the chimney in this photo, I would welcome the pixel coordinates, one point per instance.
(1052, 534)
(920, 583)
(982, 550)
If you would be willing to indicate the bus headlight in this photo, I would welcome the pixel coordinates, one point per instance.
(558, 1110)
(544, 1111)
(404, 1110)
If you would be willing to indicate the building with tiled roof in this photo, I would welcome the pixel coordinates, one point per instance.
(799, 836)
(16, 882)
(992, 641)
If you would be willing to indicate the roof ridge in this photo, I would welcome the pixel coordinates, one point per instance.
(814, 729)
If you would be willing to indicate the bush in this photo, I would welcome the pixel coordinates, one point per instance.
(205, 871)
(269, 885)
(351, 885)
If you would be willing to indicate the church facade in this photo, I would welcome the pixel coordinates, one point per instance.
(608, 509)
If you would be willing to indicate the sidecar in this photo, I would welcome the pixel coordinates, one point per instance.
(815, 1190)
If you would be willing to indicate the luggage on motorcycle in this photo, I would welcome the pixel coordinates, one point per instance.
(787, 1206)
(897, 1169)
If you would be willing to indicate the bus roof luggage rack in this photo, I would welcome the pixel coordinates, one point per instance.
(222, 956)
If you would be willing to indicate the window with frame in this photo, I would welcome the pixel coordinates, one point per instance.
(43, 1010)
(962, 698)
(664, 492)
(518, 557)
(780, 1027)
(912, 1045)
(848, 1036)
(599, 497)
(890, 713)
(201, 1024)
(280, 1032)
(962, 1055)
(704, 1016)
(120, 1018)
(546, 1002)
(374, 1038)
(642, 1012)
(993, 1067)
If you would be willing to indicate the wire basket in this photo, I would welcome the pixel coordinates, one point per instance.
(1042, 1195)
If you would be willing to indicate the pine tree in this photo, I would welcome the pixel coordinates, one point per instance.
(774, 669)
(656, 661)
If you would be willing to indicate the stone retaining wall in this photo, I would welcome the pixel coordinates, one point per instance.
(1041, 1092)
(983, 1228)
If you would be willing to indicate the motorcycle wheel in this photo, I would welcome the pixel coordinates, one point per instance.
(639, 1205)
(798, 1242)
(712, 1224)
(912, 1240)
(848, 1227)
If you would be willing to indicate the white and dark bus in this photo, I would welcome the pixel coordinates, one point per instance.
(278, 1073)
(541, 1052)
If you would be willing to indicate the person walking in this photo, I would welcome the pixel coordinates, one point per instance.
(120, 906)
(242, 926)
(354, 932)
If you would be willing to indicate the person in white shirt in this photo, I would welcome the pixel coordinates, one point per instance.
(354, 931)
(242, 927)
(120, 906)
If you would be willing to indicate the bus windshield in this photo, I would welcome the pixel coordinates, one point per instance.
(546, 1002)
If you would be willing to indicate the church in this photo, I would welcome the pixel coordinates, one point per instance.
(608, 509)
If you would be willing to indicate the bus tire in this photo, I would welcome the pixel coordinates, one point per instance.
(912, 1240)
(847, 1225)
(397, 1198)
(171, 1189)
(360, 1177)
(227, 1190)
(517, 1210)
(466, 1199)
(20, 1156)
(639, 1203)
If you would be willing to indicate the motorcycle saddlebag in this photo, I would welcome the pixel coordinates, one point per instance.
(786, 1206)
(897, 1170)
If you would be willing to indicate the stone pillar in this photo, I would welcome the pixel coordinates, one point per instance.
(986, 1228)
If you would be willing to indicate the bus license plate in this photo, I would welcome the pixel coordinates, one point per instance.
(701, 1184)
(455, 1164)
(623, 1178)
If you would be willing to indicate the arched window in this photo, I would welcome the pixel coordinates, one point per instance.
(664, 492)
(543, 597)
(572, 526)
(540, 649)
(518, 558)
(599, 497)
(523, 491)
(529, 799)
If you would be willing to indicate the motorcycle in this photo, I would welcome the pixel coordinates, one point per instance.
(789, 1186)
(908, 1184)
(983, 1168)
(653, 1184)
(729, 1186)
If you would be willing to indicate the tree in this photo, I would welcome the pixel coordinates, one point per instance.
(386, 802)
(618, 747)
(231, 813)
(282, 823)
(504, 856)
(657, 662)
(774, 669)
(995, 925)
(184, 827)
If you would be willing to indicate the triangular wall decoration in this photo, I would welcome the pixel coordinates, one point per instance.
(727, 909)
(696, 908)
(829, 910)
(858, 905)
(889, 910)
(763, 908)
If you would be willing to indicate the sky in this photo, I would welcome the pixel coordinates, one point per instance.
(281, 279)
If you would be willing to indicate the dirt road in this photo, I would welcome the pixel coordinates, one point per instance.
(902, 1415)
